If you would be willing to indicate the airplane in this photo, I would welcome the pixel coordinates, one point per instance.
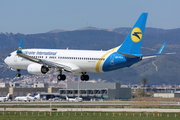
(22, 98)
(27, 98)
(3, 99)
(77, 99)
(80, 62)
(33, 98)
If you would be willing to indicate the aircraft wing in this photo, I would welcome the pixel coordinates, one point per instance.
(68, 67)
(150, 56)
(156, 55)
(21, 54)
(46, 63)
(56, 66)
(27, 57)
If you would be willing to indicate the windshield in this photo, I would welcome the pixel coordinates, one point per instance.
(9, 55)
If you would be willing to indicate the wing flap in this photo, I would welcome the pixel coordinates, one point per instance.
(128, 55)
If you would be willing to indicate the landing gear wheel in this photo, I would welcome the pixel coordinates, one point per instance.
(61, 77)
(87, 77)
(18, 75)
(84, 77)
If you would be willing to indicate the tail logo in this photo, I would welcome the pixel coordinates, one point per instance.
(20, 48)
(136, 35)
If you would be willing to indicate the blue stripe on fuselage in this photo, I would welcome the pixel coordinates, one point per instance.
(116, 61)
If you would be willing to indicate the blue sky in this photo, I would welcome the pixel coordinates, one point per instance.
(39, 16)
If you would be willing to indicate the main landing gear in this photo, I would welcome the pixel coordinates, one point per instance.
(61, 77)
(84, 77)
(18, 74)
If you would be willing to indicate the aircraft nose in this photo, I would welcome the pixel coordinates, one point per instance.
(6, 60)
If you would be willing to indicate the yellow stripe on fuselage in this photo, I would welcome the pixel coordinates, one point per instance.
(99, 61)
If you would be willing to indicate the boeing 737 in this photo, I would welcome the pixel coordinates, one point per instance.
(80, 62)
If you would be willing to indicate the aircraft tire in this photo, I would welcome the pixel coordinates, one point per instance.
(87, 77)
(61, 77)
(18, 75)
(84, 77)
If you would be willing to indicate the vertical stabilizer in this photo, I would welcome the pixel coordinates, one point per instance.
(132, 43)
(7, 97)
(37, 96)
(29, 94)
(67, 98)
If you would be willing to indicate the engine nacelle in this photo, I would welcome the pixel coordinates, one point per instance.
(37, 69)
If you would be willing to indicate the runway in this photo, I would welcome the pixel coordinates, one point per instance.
(82, 106)
(94, 109)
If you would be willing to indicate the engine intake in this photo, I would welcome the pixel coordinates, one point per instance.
(37, 69)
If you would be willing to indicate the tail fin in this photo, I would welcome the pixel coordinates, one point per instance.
(37, 96)
(67, 98)
(7, 97)
(29, 94)
(132, 43)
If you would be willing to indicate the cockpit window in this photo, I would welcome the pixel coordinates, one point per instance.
(9, 55)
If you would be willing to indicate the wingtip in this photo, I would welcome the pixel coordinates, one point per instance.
(20, 46)
(161, 49)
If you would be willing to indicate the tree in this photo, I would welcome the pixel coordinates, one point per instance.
(144, 81)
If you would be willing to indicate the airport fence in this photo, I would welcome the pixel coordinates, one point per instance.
(84, 113)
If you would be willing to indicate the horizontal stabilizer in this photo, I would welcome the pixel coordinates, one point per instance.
(128, 55)
(158, 54)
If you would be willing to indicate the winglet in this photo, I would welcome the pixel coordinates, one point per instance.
(159, 53)
(20, 46)
(161, 49)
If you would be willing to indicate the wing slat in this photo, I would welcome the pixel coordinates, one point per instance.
(49, 64)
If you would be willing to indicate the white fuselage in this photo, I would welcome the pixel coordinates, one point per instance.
(23, 98)
(83, 60)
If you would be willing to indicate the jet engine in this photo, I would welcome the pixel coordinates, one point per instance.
(37, 69)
